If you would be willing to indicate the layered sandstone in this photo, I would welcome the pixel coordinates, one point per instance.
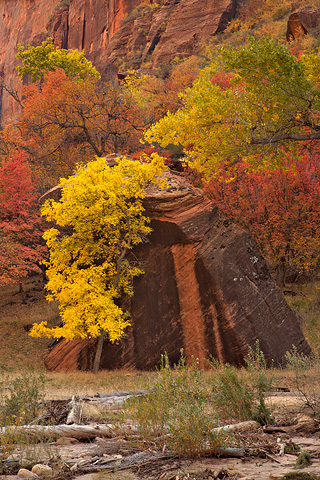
(109, 32)
(206, 290)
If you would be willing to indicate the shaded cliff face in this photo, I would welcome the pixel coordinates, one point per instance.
(109, 31)
(206, 289)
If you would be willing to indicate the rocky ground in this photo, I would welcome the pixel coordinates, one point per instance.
(263, 453)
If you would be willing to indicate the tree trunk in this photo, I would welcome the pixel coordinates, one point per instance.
(97, 359)
(281, 273)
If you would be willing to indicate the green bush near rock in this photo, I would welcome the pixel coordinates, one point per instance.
(303, 460)
(239, 393)
(178, 413)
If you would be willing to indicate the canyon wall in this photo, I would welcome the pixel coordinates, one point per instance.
(110, 32)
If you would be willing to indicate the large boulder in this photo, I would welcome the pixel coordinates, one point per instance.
(303, 22)
(206, 290)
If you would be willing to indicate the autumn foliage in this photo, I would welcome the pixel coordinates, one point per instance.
(67, 122)
(20, 224)
(243, 121)
(280, 207)
(89, 266)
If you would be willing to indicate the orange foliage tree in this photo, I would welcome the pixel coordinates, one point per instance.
(21, 248)
(67, 122)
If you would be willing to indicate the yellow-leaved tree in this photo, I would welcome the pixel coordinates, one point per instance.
(102, 212)
(256, 103)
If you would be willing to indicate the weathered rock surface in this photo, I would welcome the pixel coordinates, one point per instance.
(189, 26)
(206, 289)
(108, 31)
(302, 22)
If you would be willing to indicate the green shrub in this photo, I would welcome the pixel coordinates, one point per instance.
(178, 412)
(62, 4)
(238, 394)
(304, 460)
(232, 395)
(20, 399)
(300, 476)
(261, 382)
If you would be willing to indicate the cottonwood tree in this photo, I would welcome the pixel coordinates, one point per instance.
(272, 101)
(38, 61)
(257, 109)
(89, 267)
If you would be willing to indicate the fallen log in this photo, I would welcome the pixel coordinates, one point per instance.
(230, 452)
(238, 427)
(72, 410)
(124, 463)
(304, 424)
(138, 459)
(87, 432)
(81, 432)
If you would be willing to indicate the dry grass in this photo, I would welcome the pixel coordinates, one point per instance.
(18, 311)
(20, 353)
(64, 385)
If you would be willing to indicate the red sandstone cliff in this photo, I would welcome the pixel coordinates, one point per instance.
(206, 289)
(302, 22)
(108, 31)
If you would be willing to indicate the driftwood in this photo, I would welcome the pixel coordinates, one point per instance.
(304, 424)
(87, 432)
(230, 452)
(75, 414)
(70, 410)
(81, 432)
(135, 460)
(239, 427)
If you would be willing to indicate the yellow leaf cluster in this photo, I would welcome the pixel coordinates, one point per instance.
(102, 212)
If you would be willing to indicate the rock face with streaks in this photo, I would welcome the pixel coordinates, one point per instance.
(109, 32)
(206, 289)
(302, 22)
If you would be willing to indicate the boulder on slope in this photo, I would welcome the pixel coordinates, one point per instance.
(206, 290)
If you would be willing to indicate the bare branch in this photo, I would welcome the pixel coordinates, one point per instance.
(286, 136)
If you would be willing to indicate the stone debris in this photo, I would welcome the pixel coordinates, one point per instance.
(24, 473)
(42, 470)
